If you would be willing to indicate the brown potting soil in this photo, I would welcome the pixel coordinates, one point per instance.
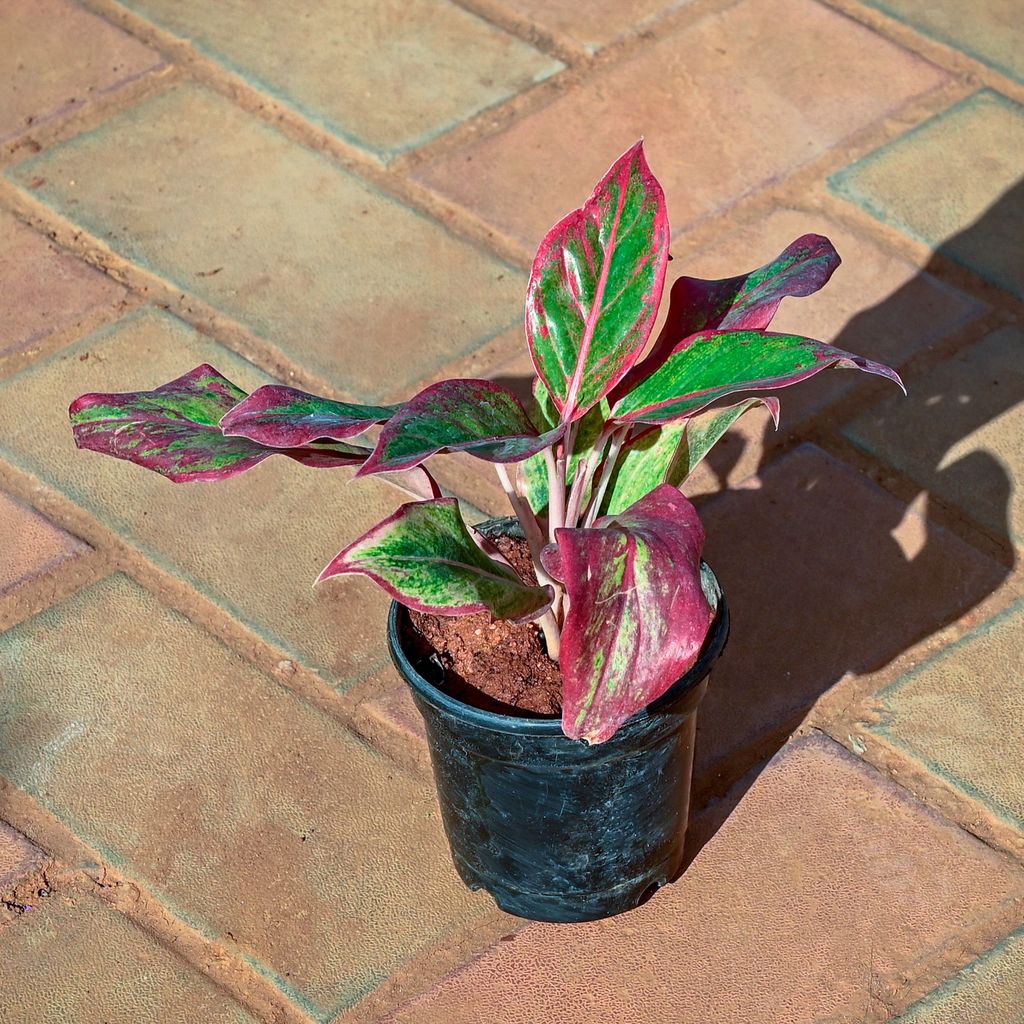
(492, 664)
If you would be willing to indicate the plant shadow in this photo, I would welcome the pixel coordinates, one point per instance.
(840, 577)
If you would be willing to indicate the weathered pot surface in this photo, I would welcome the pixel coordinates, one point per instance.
(554, 829)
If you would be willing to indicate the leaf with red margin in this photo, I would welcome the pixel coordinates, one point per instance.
(637, 616)
(474, 416)
(746, 302)
(596, 285)
(424, 557)
(284, 417)
(715, 364)
(173, 430)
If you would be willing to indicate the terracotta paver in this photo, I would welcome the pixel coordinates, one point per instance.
(386, 75)
(58, 57)
(959, 433)
(989, 991)
(305, 254)
(32, 546)
(838, 576)
(43, 289)
(823, 882)
(257, 816)
(769, 116)
(77, 961)
(260, 564)
(988, 30)
(962, 714)
(966, 201)
(17, 857)
(595, 24)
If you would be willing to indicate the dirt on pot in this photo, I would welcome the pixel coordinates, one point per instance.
(490, 664)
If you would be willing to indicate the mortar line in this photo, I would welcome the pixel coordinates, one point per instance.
(98, 109)
(968, 813)
(946, 55)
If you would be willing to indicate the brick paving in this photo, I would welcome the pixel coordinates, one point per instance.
(215, 800)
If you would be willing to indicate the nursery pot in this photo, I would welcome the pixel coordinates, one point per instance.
(553, 828)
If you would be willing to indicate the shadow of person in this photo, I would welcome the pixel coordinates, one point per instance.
(825, 573)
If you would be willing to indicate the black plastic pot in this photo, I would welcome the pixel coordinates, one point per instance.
(554, 829)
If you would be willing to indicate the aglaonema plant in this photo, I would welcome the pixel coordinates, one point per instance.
(617, 426)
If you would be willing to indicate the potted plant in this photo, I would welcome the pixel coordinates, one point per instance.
(567, 798)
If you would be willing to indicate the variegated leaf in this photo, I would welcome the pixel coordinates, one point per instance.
(174, 430)
(284, 417)
(596, 285)
(475, 416)
(670, 453)
(704, 431)
(746, 302)
(424, 557)
(637, 616)
(715, 364)
(642, 465)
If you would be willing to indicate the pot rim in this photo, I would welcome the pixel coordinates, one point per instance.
(714, 644)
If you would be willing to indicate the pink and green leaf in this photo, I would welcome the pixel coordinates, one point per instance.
(637, 615)
(746, 302)
(284, 417)
(596, 285)
(715, 364)
(425, 557)
(174, 430)
(475, 416)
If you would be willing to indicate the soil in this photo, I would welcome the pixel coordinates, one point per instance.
(488, 663)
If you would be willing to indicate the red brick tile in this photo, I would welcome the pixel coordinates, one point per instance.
(727, 105)
(60, 56)
(160, 184)
(825, 879)
(958, 433)
(388, 75)
(31, 545)
(961, 714)
(77, 961)
(43, 289)
(17, 857)
(991, 31)
(953, 183)
(825, 574)
(252, 814)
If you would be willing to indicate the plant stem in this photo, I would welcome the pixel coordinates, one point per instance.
(548, 622)
(531, 528)
(607, 470)
(552, 635)
(556, 493)
(584, 475)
